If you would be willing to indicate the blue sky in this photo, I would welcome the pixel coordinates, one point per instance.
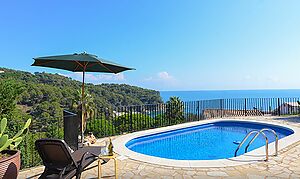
(174, 45)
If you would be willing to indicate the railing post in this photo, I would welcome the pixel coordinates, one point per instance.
(221, 106)
(278, 104)
(130, 118)
(245, 106)
(298, 107)
(198, 110)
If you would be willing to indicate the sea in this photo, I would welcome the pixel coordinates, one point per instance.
(229, 94)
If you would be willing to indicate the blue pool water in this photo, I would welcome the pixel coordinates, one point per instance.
(211, 141)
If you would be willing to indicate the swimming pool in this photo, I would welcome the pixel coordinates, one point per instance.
(217, 140)
(209, 143)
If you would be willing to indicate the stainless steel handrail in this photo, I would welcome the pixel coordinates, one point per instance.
(245, 138)
(265, 129)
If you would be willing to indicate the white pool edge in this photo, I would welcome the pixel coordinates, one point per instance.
(250, 157)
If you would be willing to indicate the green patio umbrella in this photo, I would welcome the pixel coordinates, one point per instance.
(82, 62)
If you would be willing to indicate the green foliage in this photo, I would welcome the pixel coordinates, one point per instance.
(133, 122)
(100, 127)
(85, 104)
(9, 91)
(41, 90)
(174, 110)
(11, 143)
(30, 157)
(192, 117)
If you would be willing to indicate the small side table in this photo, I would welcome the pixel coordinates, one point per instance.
(114, 157)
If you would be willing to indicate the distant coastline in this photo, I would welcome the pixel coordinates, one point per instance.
(221, 94)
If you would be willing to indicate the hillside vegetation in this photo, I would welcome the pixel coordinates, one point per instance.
(44, 95)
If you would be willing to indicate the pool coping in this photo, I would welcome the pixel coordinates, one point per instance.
(250, 157)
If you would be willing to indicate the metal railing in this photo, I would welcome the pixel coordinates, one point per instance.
(248, 135)
(261, 131)
(125, 119)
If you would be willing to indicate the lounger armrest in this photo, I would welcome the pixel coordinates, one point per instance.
(94, 155)
(97, 156)
(82, 160)
(62, 172)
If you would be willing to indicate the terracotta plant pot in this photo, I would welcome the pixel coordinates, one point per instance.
(10, 166)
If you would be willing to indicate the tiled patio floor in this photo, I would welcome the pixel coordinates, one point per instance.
(285, 165)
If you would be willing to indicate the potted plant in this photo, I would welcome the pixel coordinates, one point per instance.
(9, 156)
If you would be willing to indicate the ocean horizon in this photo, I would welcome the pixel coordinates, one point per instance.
(228, 94)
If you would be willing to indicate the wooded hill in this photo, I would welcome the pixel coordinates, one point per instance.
(44, 94)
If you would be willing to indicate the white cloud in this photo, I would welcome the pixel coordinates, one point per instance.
(97, 78)
(114, 77)
(149, 78)
(160, 76)
(162, 80)
(164, 75)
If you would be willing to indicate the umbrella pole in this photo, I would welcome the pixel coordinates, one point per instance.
(82, 107)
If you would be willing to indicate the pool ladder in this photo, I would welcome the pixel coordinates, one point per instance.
(252, 140)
